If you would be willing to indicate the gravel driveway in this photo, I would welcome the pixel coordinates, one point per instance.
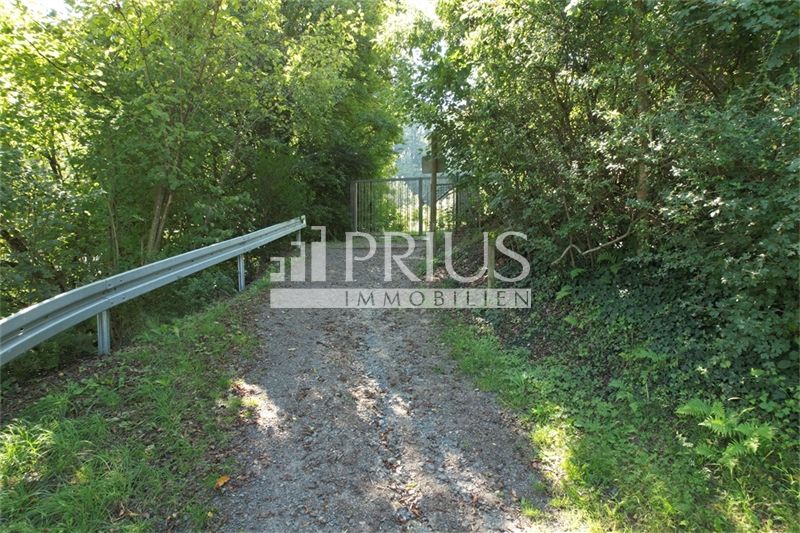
(363, 423)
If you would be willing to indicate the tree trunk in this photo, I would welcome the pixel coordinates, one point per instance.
(161, 201)
(113, 236)
(642, 99)
(55, 166)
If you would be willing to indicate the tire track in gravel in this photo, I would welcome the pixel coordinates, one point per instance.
(363, 423)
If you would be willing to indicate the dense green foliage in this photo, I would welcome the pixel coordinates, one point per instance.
(650, 152)
(135, 130)
(606, 445)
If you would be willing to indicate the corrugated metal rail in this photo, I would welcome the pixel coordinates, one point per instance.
(31, 326)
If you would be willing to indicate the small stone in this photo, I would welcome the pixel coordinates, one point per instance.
(403, 515)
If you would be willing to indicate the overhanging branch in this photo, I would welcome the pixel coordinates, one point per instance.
(598, 247)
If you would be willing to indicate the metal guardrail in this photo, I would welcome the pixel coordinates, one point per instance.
(37, 323)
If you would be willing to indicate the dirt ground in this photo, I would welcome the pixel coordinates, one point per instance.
(363, 423)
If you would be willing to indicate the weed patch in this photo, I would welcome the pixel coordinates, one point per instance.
(625, 464)
(127, 442)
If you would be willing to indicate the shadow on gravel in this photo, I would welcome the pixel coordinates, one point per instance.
(362, 422)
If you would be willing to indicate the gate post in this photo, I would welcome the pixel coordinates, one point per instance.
(492, 243)
(434, 189)
(419, 206)
(354, 199)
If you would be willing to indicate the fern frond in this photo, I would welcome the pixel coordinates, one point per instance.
(704, 450)
(764, 432)
(718, 411)
(695, 407)
(747, 429)
(729, 462)
(759, 432)
(719, 425)
(736, 449)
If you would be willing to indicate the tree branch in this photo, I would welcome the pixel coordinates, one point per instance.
(598, 247)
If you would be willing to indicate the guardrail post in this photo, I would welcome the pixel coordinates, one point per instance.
(240, 266)
(104, 333)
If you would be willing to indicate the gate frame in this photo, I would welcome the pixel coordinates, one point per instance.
(452, 188)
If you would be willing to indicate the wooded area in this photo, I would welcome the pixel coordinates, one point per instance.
(136, 130)
(649, 149)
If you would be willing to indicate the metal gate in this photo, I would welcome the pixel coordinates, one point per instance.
(403, 204)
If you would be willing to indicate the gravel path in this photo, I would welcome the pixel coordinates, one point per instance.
(363, 423)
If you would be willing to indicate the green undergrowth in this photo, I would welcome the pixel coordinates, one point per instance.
(127, 442)
(613, 447)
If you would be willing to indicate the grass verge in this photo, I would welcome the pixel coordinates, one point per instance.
(622, 467)
(133, 441)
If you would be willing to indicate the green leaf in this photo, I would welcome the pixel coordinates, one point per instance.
(565, 291)
(575, 272)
